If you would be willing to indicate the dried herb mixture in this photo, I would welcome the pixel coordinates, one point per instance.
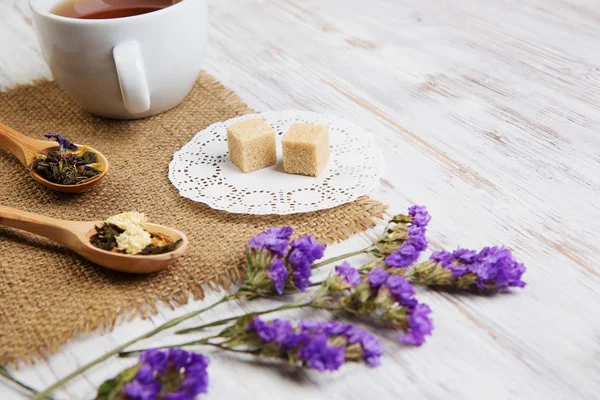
(69, 165)
(125, 233)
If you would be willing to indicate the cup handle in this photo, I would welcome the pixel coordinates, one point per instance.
(132, 77)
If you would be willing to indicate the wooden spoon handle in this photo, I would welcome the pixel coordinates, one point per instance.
(51, 228)
(21, 146)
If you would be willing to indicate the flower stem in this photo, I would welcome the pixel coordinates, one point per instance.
(202, 342)
(226, 320)
(192, 343)
(321, 307)
(222, 347)
(341, 257)
(43, 394)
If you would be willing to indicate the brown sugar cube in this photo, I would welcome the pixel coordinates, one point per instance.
(251, 145)
(305, 149)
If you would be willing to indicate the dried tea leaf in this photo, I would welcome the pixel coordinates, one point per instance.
(149, 250)
(66, 168)
(89, 157)
(106, 237)
(89, 173)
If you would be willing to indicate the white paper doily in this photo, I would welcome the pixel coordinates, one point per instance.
(202, 171)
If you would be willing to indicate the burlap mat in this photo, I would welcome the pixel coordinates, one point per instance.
(48, 294)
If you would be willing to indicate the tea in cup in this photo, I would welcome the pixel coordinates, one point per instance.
(123, 59)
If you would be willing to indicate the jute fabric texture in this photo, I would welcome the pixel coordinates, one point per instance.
(49, 294)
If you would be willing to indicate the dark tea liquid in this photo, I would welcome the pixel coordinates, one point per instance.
(106, 9)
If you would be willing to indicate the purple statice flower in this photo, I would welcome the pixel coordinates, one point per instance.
(304, 251)
(195, 379)
(136, 390)
(265, 331)
(419, 214)
(320, 345)
(442, 257)
(348, 274)
(417, 238)
(301, 277)
(327, 327)
(275, 239)
(282, 328)
(333, 328)
(462, 259)
(492, 267)
(178, 357)
(275, 262)
(402, 290)
(454, 261)
(197, 366)
(496, 266)
(63, 144)
(157, 359)
(372, 350)
(320, 355)
(377, 277)
(419, 325)
(183, 370)
(403, 257)
(144, 386)
(465, 256)
(276, 330)
(278, 273)
(293, 340)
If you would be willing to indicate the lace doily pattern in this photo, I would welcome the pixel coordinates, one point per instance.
(201, 169)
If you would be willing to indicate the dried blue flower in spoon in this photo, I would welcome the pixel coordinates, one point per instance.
(63, 143)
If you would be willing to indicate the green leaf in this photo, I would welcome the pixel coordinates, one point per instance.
(112, 388)
(324, 288)
(239, 328)
(401, 219)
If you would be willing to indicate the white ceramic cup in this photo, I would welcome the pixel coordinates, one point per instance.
(125, 68)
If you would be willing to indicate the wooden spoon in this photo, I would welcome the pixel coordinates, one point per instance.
(25, 149)
(76, 236)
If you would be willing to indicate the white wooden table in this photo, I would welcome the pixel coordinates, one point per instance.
(487, 112)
